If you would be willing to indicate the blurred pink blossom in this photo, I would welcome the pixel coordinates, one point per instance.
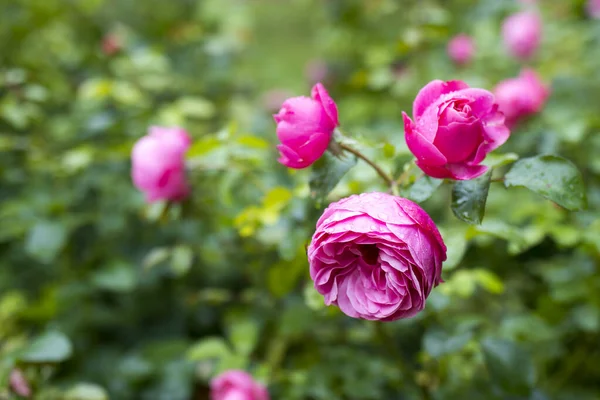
(237, 385)
(593, 8)
(461, 49)
(521, 96)
(522, 33)
(18, 383)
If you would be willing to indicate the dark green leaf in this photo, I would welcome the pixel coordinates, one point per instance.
(51, 347)
(553, 177)
(424, 188)
(509, 366)
(327, 172)
(469, 197)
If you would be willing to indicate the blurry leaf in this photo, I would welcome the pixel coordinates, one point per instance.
(424, 188)
(494, 160)
(207, 348)
(277, 198)
(117, 278)
(553, 177)
(389, 150)
(456, 243)
(156, 256)
(181, 259)
(203, 146)
(469, 197)
(283, 277)
(253, 141)
(489, 281)
(51, 347)
(509, 366)
(313, 299)
(196, 107)
(45, 241)
(437, 343)
(154, 211)
(86, 391)
(243, 334)
(326, 173)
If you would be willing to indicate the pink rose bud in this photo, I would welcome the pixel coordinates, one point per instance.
(376, 256)
(237, 385)
(158, 164)
(522, 34)
(521, 96)
(18, 383)
(454, 128)
(305, 126)
(461, 49)
(593, 8)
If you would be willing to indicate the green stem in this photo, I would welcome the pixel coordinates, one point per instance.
(388, 179)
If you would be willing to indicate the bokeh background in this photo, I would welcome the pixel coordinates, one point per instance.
(103, 296)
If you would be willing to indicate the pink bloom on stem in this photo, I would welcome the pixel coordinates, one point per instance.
(522, 33)
(158, 164)
(18, 383)
(454, 128)
(376, 256)
(305, 126)
(593, 8)
(461, 49)
(237, 385)
(521, 96)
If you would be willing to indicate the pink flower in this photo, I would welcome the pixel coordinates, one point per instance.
(461, 49)
(455, 127)
(521, 96)
(593, 8)
(18, 384)
(111, 44)
(522, 34)
(158, 167)
(237, 385)
(376, 256)
(305, 126)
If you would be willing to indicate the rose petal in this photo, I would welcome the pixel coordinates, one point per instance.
(431, 92)
(320, 94)
(425, 151)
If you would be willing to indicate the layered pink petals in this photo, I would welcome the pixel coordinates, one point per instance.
(521, 96)
(461, 49)
(305, 126)
(237, 385)
(522, 33)
(158, 164)
(454, 128)
(376, 256)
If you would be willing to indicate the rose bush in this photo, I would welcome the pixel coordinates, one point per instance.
(454, 128)
(376, 256)
(305, 126)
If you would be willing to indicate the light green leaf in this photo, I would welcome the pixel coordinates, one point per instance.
(424, 188)
(207, 348)
(553, 177)
(181, 259)
(117, 278)
(51, 347)
(494, 160)
(45, 241)
(243, 334)
(327, 172)
(469, 198)
(86, 391)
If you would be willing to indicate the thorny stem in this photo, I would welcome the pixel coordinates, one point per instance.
(388, 179)
(407, 373)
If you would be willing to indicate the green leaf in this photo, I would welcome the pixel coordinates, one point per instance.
(498, 160)
(181, 259)
(327, 172)
(45, 241)
(555, 178)
(424, 188)
(86, 391)
(51, 347)
(438, 343)
(456, 242)
(207, 348)
(243, 334)
(509, 366)
(469, 197)
(117, 278)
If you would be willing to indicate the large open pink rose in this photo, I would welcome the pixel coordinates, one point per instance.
(376, 256)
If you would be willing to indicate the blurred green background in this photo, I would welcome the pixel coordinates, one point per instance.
(103, 296)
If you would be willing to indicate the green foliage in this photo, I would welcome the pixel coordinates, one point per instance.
(105, 297)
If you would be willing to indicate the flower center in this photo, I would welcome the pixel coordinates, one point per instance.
(369, 252)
